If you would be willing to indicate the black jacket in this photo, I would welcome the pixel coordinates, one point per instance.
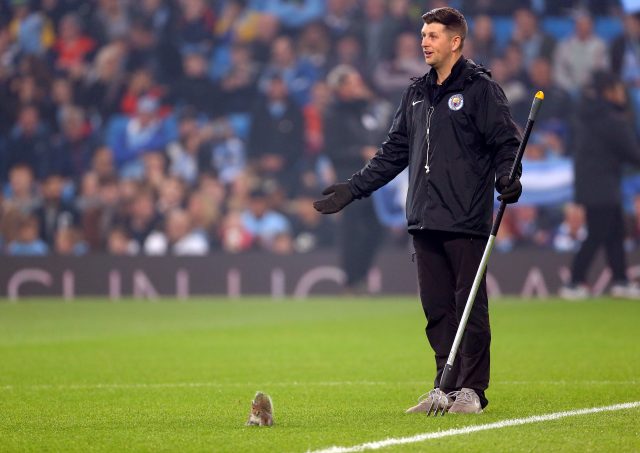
(604, 141)
(466, 129)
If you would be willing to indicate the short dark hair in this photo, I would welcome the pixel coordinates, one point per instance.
(451, 18)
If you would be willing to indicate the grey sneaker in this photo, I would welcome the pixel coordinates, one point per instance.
(574, 292)
(625, 290)
(466, 402)
(433, 400)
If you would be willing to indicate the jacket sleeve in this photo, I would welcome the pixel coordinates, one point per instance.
(392, 157)
(500, 132)
(623, 141)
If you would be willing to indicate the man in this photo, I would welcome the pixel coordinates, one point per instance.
(454, 131)
(578, 56)
(354, 123)
(605, 141)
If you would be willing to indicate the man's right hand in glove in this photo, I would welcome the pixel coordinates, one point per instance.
(339, 196)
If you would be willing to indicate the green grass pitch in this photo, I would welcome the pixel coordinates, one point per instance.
(175, 376)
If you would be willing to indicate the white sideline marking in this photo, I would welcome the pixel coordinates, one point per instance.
(107, 386)
(472, 429)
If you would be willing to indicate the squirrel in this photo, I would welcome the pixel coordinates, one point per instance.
(261, 411)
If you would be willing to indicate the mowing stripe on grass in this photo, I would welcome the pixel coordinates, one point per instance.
(472, 429)
(127, 385)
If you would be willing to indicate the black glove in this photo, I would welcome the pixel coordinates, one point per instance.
(339, 196)
(508, 193)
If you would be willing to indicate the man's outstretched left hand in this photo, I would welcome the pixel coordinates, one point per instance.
(339, 196)
(508, 193)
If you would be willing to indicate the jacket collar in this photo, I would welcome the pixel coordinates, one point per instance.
(462, 71)
(458, 67)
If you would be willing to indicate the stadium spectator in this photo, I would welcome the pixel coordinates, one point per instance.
(310, 229)
(132, 137)
(27, 241)
(528, 37)
(21, 193)
(397, 21)
(604, 142)
(119, 243)
(390, 76)
(75, 145)
(483, 39)
(514, 89)
(238, 83)
(227, 157)
(32, 31)
(110, 20)
(171, 195)
(187, 154)
(54, 212)
(263, 223)
(572, 231)
(372, 34)
(339, 17)
(234, 235)
(195, 88)
(205, 214)
(68, 241)
(267, 30)
(314, 45)
(276, 141)
(529, 226)
(349, 143)
(625, 60)
(158, 13)
(30, 143)
(195, 26)
(155, 171)
(102, 163)
(178, 238)
(73, 48)
(154, 53)
(558, 105)
(314, 113)
(348, 51)
(100, 216)
(104, 84)
(298, 74)
(142, 217)
(579, 56)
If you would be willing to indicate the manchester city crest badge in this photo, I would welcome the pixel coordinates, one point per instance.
(456, 102)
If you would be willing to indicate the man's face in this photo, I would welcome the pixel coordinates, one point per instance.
(437, 44)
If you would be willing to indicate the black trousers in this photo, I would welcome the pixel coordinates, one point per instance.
(606, 229)
(360, 237)
(447, 264)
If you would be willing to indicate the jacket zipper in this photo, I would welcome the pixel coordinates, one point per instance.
(429, 114)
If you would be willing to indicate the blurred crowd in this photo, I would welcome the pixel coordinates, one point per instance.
(187, 126)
